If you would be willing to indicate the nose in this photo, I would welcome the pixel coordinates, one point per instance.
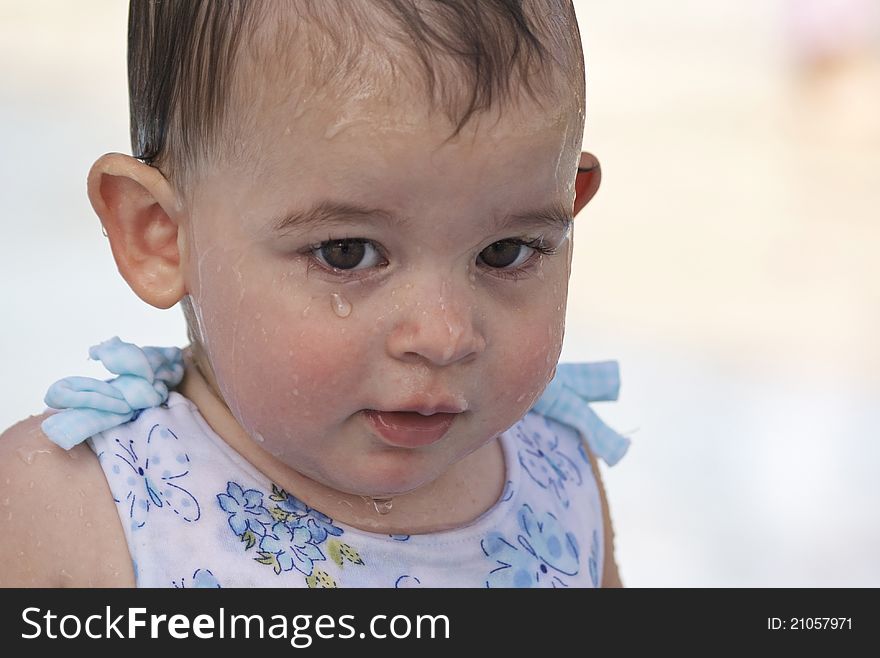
(437, 323)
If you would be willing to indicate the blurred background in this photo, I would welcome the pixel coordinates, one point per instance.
(728, 263)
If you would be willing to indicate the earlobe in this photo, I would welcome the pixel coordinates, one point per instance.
(138, 209)
(589, 176)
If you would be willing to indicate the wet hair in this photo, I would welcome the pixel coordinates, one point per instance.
(183, 59)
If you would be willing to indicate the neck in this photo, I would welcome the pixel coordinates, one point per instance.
(456, 498)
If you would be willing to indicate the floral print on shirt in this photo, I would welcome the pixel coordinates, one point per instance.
(544, 461)
(289, 535)
(152, 472)
(542, 554)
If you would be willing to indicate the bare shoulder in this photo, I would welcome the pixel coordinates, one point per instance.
(58, 522)
(610, 574)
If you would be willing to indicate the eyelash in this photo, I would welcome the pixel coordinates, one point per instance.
(538, 244)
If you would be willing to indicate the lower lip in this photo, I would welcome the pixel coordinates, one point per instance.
(409, 429)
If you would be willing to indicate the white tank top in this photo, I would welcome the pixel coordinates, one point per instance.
(196, 514)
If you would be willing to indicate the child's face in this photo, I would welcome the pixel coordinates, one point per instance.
(416, 314)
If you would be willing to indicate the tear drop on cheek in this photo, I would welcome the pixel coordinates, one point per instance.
(341, 306)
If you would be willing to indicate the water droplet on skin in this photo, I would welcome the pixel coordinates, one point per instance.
(259, 437)
(306, 310)
(335, 129)
(381, 505)
(28, 456)
(341, 306)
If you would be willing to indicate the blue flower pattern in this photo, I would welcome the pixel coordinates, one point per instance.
(288, 533)
(546, 464)
(152, 473)
(293, 547)
(246, 510)
(320, 525)
(543, 554)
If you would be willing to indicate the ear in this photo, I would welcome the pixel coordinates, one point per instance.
(586, 184)
(139, 210)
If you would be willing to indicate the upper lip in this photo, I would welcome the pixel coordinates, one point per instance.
(426, 409)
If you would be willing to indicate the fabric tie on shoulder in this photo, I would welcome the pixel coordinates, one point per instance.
(567, 399)
(92, 405)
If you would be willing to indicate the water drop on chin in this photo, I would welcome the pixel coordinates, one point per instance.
(382, 505)
(341, 306)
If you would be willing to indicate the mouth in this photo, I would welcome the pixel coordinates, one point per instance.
(409, 429)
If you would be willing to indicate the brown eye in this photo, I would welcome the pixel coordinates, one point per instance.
(343, 254)
(501, 254)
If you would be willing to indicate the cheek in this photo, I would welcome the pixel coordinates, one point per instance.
(276, 351)
(529, 345)
(308, 363)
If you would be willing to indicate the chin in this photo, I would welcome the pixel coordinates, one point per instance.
(388, 480)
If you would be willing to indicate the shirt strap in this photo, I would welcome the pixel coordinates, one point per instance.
(566, 399)
(92, 405)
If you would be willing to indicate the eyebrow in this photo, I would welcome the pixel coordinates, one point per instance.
(328, 212)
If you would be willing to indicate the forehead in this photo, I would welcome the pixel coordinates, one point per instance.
(353, 60)
(368, 130)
